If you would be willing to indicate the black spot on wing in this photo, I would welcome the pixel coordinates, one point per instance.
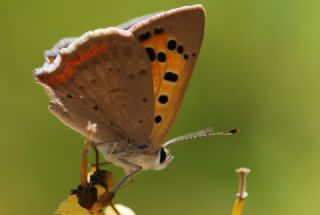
(172, 45)
(151, 54)
(131, 76)
(161, 57)
(158, 30)
(171, 77)
(144, 36)
(163, 99)
(144, 99)
(143, 72)
(158, 119)
(180, 49)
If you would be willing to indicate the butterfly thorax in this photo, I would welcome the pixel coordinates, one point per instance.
(128, 156)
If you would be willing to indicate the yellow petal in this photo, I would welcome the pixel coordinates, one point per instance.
(71, 207)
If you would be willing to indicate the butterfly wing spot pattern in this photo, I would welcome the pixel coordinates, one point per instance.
(171, 45)
(158, 56)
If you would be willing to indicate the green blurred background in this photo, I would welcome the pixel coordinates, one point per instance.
(259, 71)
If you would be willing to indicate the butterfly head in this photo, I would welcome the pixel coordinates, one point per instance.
(164, 157)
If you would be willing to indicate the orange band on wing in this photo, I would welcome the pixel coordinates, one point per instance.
(76, 61)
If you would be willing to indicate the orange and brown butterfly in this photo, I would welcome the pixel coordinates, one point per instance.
(130, 81)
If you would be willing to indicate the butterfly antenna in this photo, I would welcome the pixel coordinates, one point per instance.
(199, 134)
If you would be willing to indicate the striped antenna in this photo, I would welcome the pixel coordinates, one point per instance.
(199, 134)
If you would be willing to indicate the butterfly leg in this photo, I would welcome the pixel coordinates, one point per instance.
(98, 164)
(112, 146)
(135, 169)
(101, 164)
(127, 185)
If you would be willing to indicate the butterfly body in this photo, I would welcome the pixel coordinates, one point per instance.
(130, 81)
(133, 156)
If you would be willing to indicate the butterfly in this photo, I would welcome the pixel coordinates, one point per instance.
(129, 80)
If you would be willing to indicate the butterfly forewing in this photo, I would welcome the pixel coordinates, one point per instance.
(172, 41)
(103, 77)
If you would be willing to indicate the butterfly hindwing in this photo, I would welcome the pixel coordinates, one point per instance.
(103, 77)
(172, 41)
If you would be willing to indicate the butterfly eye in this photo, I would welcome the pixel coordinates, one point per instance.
(163, 155)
